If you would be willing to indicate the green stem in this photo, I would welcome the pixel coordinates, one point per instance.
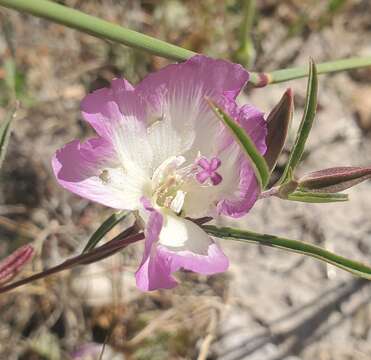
(106, 30)
(97, 27)
(278, 76)
(300, 247)
(246, 52)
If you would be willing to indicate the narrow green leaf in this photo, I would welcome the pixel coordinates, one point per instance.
(278, 123)
(257, 160)
(5, 131)
(10, 75)
(282, 75)
(317, 197)
(105, 30)
(104, 228)
(97, 27)
(245, 55)
(306, 122)
(300, 247)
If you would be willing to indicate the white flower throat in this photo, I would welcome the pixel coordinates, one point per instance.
(168, 180)
(172, 181)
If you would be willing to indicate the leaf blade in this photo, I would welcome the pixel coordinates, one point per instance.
(316, 197)
(5, 131)
(355, 267)
(97, 27)
(104, 228)
(305, 124)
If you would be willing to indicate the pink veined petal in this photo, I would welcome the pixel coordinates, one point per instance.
(118, 115)
(176, 94)
(213, 262)
(245, 196)
(252, 120)
(105, 109)
(154, 271)
(186, 246)
(173, 243)
(240, 204)
(216, 77)
(78, 167)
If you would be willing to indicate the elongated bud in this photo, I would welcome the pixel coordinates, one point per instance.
(11, 265)
(278, 123)
(334, 179)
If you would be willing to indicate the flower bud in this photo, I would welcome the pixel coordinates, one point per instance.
(12, 264)
(334, 179)
(278, 123)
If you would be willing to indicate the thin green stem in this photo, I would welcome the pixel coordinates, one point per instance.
(103, 29)
(278, 76)
(300, 247)
(97, 27)
(246, 52)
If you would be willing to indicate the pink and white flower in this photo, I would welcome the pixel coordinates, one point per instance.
(162, 151)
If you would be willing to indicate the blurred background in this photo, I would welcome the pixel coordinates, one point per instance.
(270, 305)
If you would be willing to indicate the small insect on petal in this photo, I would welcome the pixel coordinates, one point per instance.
(104, 176)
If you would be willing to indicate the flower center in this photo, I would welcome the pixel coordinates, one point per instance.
(167, 182)
(170, 180)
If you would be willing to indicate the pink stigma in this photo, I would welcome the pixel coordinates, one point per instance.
(209, 170)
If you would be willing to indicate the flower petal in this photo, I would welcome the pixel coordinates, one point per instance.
(243, 197)
(105, 108)
(215, 76)
(154, 272)
(117, 114)
(176, 97)
(79, 167)
(240, 203)
(174, 243)
(186, 246)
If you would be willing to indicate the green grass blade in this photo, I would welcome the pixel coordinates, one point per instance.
(104, 228)
(283, 75)
(103, 29)
(317, 197)
(300, 247)
(305, 125)
(258, 162)
(97, 27)
(5, 131)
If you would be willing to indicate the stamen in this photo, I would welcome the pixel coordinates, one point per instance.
(178, 202)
